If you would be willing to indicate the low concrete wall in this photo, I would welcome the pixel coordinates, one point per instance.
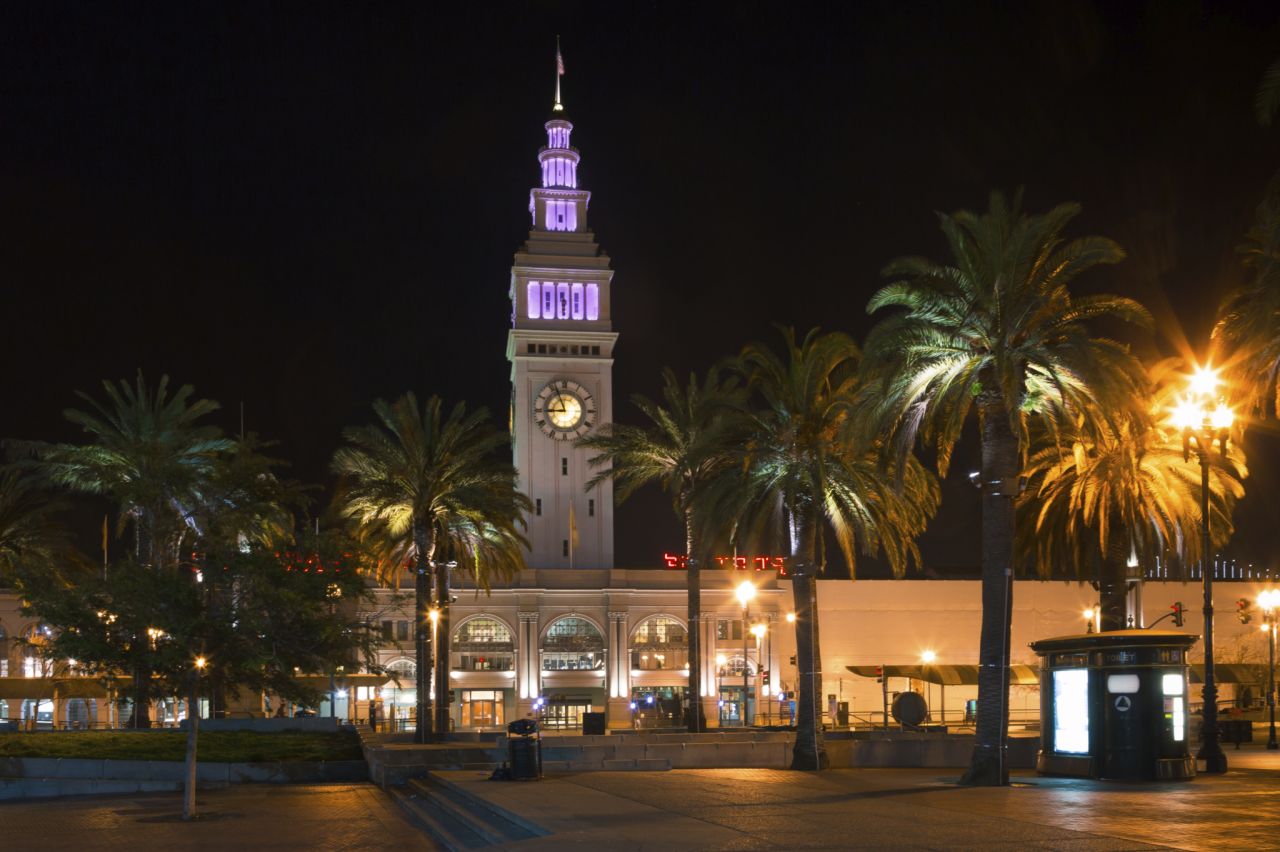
(71, 769)
(312, 724)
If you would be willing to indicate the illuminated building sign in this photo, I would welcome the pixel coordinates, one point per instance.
(778, 564)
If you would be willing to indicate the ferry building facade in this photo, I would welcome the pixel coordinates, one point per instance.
(574, 634)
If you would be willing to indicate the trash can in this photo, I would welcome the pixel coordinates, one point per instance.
(1113, 705)
(524, 750)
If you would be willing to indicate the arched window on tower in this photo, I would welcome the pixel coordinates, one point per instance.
(593, 302)
(575, 295)
(533, 300)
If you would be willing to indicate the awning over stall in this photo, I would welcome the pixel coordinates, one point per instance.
(1019, 674)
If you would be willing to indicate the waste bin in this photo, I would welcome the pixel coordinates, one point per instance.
(524, 750)
(1113, 705)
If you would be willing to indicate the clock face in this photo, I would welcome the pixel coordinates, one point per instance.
(564, 410)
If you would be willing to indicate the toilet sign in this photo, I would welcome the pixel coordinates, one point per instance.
(1123, 703)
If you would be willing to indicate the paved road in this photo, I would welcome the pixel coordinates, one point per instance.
(894, 809)
(250, 817)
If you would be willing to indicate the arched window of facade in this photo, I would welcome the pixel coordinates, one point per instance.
(732, 667)
(483, 644)
(572, 643)
(659, 643)
(33, 662)
(405, 670)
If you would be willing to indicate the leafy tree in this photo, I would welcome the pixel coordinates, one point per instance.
(1249, 318)
(806, 467)
(1096, 502)
(148, 452)
(688, 441)
(997, 329)
(434, 489)
(181, 629)
(30, 533)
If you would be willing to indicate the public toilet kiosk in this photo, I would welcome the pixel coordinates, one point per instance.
(1114, 705)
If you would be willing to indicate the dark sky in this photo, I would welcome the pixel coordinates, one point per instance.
(304, 208)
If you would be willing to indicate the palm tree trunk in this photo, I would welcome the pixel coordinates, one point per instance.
(693, 692)
(193, 732)
(810, 751)
(423, 549)
(1112, 588)
(990, 766)
(441, 641)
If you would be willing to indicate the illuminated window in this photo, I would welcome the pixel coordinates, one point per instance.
(533, 296)
(1172, 684)
(593, 302)
(575, 309)
(483, 644)
(572, 643)
(1122, 684)
(548, 300)
(562, 301)
(1071, 711)
(659, 642)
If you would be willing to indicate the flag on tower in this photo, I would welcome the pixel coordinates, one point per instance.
(559, 62)
(573, 527)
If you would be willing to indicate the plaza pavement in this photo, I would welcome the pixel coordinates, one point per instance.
(891, 809)
(700, 809)
(242, 818)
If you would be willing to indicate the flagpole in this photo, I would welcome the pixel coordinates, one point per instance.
(559, 73)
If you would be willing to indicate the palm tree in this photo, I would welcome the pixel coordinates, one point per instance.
(1249, 318)
(1126, 495)
(687, 443)
(148, 453)
(997, 328)
(806, 468)
(30, 536)
(431, 486)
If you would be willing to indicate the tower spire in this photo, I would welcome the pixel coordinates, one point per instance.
(559, 107)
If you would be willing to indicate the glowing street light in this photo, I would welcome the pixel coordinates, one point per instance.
(201, 662)
(1205, 419)
(791, 618)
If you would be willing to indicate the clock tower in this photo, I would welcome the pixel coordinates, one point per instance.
(561, 353)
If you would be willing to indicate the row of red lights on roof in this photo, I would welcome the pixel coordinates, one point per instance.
(679, 562)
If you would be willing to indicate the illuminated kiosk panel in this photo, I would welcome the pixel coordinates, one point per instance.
(1113, 705)
(1071, 711)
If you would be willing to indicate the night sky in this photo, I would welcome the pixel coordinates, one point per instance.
(303, 208)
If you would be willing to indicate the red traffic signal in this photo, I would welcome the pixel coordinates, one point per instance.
(1178, 611)
(879, 674)
(1243, 605)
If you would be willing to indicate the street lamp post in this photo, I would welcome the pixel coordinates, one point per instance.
(758, 631)
(1204, 419)
(1269, 602)
(745, 593)
(721, 659)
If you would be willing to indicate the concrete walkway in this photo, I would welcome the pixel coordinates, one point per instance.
(889, 809)
(249, 817)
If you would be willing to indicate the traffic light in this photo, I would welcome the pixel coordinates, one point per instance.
(1178, 611)
(766, 677)
(793, 659)
(1243, 606)
(879, 674)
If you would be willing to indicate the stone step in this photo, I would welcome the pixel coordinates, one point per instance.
(438, 823)
(477, 815)
(480, 805)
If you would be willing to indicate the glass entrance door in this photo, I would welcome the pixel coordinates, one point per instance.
(564, 715)
(481, 708)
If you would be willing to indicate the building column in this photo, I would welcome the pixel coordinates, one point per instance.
(710, 677)
(528, 665)
(618, 674)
